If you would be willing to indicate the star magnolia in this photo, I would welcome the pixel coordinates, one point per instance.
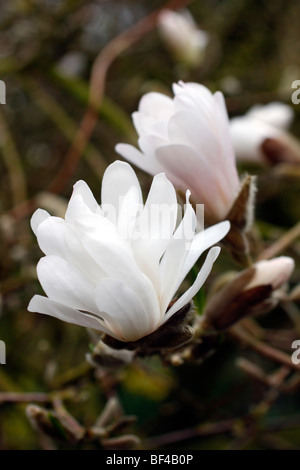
(249, 132)
(183, 37)
(188, 138)
(116, 267)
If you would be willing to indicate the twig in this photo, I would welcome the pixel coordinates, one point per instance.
(189, 433)
(75, 429)
(13, 163)
(15, 397)
(253, 370)
(34, 397)
(281, 244)
(240, 334)
(293, 313)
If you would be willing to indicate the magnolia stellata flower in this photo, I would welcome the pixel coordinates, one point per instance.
(116, 267)
(261, 135)
(188, 138)
(253, 291)
(186, 41)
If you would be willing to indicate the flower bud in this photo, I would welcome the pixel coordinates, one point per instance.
(186, 42)
(251, 292)
(107, 357)
(274, 272)
(261, 135)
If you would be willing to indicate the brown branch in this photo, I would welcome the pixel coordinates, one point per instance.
(242, 336)
(189, 433)
(70, 424)
(35, 397)
(281, 244)
(15, 397)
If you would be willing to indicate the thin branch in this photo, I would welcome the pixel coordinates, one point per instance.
(189, 433)
(281, 244)
(15, 397)
(240, 334)
(34, 397)
(13, 163)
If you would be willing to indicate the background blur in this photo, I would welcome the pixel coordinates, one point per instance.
(47, 50)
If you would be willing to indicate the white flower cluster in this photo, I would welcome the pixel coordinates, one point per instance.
(116, 267)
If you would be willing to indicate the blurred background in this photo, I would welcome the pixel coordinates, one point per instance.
(47, 52)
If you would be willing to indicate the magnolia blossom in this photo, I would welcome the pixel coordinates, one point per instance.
(249, 132)
(116, 267)
(188, 138)
(274, 272)
(251, 292)
(182, 35)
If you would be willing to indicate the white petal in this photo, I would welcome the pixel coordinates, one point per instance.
(276, 272)
(174, 257)
(156, 105)
(129, 209)
(200, 279)
(155, 227)
(65, 284)
(201, 242)
(38, 217)
(118, 178)
(158, 219)
(82, 202)
(51, 236)
(222, 126)
(146, 125)
(190, 128)
(227, 155)
(77, 255)
(276, 114)
(134, 156)
(148, 144)
(102, 230)
(194, 96)
(124, 310)
(115, 258)
(211, 142)
(56, 237)
(247, 135)
(196, 175)
(62, 312)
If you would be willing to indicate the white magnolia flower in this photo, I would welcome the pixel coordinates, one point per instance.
(188, 138)
(274, 272)
(116, 267)
(249, 132)
(183, 37)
